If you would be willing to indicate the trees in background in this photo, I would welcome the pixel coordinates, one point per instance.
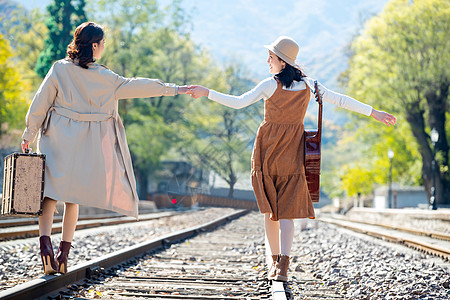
(27, 32)
(63, 17)
(23, 41)
(401, 64)
(29, 58)
(143, 39)
(13, 104)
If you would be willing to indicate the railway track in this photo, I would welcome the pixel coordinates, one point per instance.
(127, 282)
(21, 228)
(433, 243)
(198, 263)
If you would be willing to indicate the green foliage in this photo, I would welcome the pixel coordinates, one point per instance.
(401, 64)
(13, 105)
(402, 52)
(64, 17)
(364, 160)
(27, 32)
(148, 139)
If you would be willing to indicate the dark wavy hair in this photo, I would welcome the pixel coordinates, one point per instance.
(289, 74)
(81, 46)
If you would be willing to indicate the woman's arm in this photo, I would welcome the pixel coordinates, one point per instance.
(344, 101)
(39, 107)
(349, 103)
(263, 90)
(127, 88)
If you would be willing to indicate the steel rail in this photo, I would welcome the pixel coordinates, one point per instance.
(278, 291)
(11, 222)
(40, 288)
(429, 233)
(442, 215)
(416, 244)
(33, 230)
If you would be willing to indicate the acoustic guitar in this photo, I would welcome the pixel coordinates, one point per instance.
(313, 140)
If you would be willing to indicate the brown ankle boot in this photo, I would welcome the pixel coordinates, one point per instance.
(282, 268)
(61, 257)
(271, 274)
(47, 256)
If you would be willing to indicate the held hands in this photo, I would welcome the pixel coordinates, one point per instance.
(195, 91)
(182, 89)
(384, 117)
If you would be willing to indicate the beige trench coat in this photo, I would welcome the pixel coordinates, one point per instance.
(87, 157)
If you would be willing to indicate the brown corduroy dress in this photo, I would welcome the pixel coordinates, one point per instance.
(278, 172)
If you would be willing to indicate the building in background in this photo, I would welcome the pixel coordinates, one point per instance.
(402, 196)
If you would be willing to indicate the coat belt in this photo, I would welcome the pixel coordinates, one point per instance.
(86, 117)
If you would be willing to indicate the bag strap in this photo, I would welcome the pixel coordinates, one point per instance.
(319, 101)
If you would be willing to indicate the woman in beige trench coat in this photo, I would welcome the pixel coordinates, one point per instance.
(80, 131)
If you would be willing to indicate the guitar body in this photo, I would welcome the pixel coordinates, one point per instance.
(312, 163)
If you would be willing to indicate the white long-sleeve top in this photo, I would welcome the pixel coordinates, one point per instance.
(266, 88)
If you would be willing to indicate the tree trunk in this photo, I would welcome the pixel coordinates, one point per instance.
(415, 118)
(142, 180)
(231, 176)
(437, 103)
(445, 193)
(231, 191)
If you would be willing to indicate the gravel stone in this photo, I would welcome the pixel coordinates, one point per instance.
(360, 268)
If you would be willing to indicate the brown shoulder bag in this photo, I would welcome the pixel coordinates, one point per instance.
(313, 140)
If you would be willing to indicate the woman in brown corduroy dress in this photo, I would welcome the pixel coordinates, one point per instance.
(278, 173)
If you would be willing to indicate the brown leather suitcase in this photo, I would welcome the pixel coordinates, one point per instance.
(23, 184)
(313, 140)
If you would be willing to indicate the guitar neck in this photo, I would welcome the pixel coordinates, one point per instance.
(319, 101)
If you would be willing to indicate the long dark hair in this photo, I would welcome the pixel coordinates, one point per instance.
(81, 46)
(289, 74)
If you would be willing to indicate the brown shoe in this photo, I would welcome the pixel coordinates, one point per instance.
(47, 256)
(61, 257)
(271, 274)
(282, 268)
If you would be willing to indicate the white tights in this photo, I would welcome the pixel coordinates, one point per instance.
(280, 235)
(70, 219)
